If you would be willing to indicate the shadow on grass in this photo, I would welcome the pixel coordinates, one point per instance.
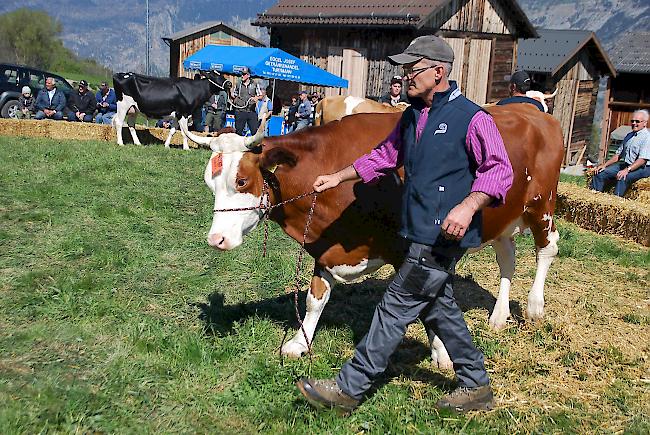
(146, 138)
(350, 306)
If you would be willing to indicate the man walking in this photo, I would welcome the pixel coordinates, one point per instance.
(455, 165)
(244, 99)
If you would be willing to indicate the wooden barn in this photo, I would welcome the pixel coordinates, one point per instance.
(187, 42)
(352, 39)
(571, 62)
(630, 89)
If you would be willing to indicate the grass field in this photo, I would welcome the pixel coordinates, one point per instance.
(116, 317)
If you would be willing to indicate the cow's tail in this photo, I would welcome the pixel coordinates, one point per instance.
(318, 113)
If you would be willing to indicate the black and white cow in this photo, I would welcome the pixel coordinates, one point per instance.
(157, 97)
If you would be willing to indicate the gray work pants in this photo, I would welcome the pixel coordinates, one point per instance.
(421, 288)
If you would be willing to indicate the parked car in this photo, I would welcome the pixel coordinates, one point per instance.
(14, 77)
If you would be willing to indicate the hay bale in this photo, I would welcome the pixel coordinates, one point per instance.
(638, 191)
(604, 213)
(85, 131)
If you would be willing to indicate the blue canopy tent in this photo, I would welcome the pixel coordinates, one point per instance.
(268, 63)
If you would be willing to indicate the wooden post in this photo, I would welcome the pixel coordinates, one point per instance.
(567, 157)
(605, 124)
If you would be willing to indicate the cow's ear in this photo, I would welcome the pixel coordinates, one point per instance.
(278, 156)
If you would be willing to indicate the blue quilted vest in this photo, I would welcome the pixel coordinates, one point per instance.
(439, 171)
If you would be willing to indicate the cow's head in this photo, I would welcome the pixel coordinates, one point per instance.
(237, 181)
(217, 81)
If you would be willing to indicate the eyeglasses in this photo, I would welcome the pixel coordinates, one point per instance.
(410, 71)
(636, 121)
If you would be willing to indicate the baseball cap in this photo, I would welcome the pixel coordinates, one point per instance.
(396, 79)
(245, 70)
(103, 85)
(302, 92)
(83, 83)
(26, 90)
(521, 79)
(429, 46)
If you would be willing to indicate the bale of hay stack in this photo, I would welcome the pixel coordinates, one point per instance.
(638, 191)
(604, 213)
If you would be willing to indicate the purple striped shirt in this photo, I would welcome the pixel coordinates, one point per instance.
(483, 144)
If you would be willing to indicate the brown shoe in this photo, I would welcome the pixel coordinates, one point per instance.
(468, 399)
(325, 393)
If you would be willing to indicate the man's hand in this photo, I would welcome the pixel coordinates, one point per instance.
(599, 168)
(620, 175)
(325, 182)
(457, 222)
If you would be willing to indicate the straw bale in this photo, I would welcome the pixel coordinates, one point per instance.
(85, 131)
(638, 191)
(604, 213)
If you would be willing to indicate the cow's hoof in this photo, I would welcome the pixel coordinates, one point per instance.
(535, 310)
(294, 349)
(499, 318)
(441, 360)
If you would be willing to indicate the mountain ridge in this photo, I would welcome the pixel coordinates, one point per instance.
(116, 36)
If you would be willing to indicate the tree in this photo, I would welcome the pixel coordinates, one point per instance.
(30, 37)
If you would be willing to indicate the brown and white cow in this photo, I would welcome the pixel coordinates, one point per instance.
(354, 227)
(334, 108)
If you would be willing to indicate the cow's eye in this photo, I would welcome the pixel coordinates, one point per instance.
(241, 182)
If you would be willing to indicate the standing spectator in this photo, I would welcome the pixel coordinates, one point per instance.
(314, 99)
(106, 104)
(50, 102)
(290, 120)
(263, 106)
(519, 85)
(81, 104)
(394, 95)
(25, 104)
(276, 102)
(216, 111)
(244, 99)
(632, 159)
(303, 114)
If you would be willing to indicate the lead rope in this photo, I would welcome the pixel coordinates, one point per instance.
(265, 218)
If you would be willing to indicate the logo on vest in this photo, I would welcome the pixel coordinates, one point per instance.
(442, 128)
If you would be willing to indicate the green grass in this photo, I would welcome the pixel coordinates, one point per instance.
(116, 317)
(574, 179)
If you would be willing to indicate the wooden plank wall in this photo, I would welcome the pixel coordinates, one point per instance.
(480, 16)
(503, 61)
(477, 74)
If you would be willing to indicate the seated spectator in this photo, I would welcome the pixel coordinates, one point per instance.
(519, 85)
(303, 114)
(168, 122)
(81, 104)
(26, 104)
(394, 95)
(106, 103)
(50, 102)
(631, 161)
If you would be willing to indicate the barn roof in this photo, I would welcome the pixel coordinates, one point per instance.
(631, 53)
(212, 25)
(384, 13)
(554, 48)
